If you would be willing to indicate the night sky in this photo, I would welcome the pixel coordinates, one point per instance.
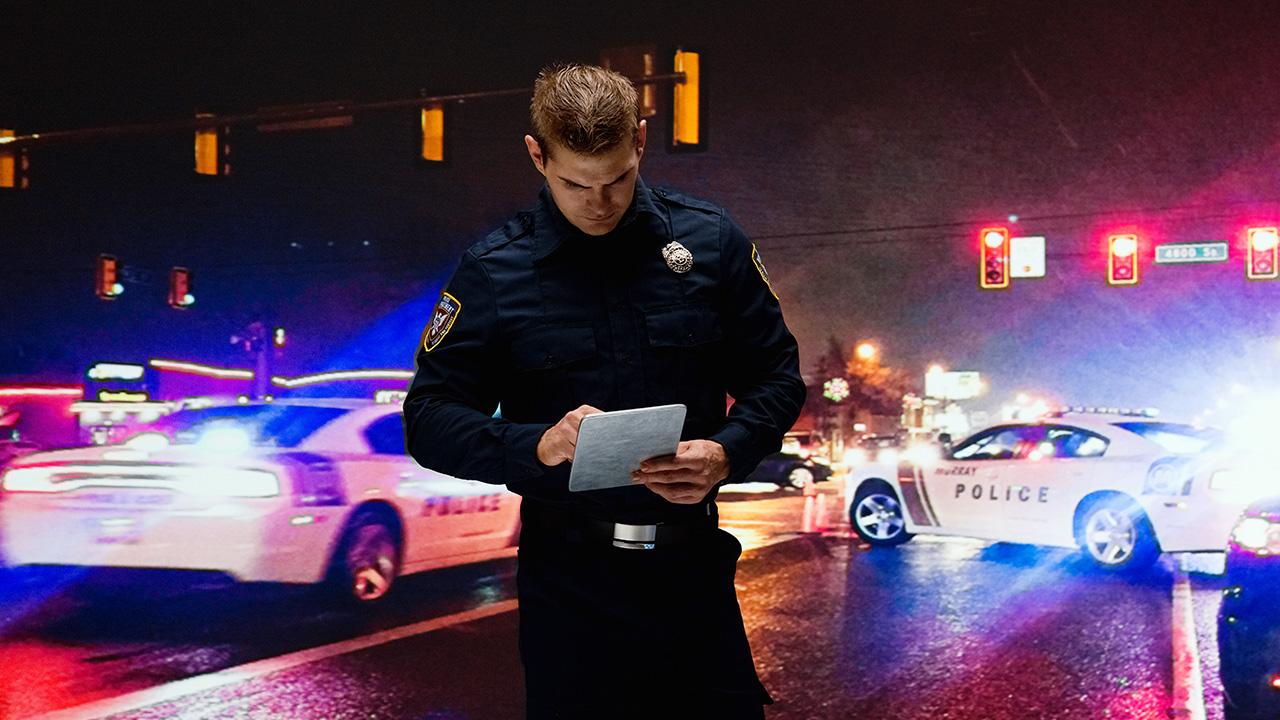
(861, 144)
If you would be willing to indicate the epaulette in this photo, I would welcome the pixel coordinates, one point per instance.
(514, 229)
(678, 198)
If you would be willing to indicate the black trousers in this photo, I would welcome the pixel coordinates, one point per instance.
(613, 633)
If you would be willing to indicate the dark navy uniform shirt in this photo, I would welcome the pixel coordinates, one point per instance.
(541, 318)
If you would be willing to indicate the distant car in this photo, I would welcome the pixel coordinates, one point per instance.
(1123, 488)
(292, 492)
(1249, 617)
(789, 471)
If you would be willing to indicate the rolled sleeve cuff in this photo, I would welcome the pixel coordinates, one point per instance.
(736, 441)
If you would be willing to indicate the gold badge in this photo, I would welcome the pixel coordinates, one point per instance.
(678, 257)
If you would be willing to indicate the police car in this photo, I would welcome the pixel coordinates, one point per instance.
(293, 492)
(1123, 487)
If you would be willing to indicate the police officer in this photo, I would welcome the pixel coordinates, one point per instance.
(609, 295)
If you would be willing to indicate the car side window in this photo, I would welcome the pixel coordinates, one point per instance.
(1069, 442)
(386, 435)
(1001, 444)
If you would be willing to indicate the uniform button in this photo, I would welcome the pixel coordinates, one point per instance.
(617, 303)
(660, 192)
(551, 360)
(626, 359)
(688, 336)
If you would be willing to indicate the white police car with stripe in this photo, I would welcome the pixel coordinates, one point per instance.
(304, 491)
(1123, 487)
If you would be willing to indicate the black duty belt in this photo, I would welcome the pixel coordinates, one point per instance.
(576, 527)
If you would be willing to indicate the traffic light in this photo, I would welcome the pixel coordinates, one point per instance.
(993, 273)
(13, 165)
(686, 119)
(277, 336)
(1262, 261)
(212, 149)
(1122, 261)
(180, 289)
(106, 284)
(433, 133)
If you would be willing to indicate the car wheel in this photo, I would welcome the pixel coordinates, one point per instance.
(1116, 535)
(367, 561)
(876, 515)
(798, 477)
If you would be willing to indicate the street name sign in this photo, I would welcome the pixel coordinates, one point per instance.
(1186, 253)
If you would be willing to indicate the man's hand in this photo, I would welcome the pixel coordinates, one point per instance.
(560, 440)
(686, 477)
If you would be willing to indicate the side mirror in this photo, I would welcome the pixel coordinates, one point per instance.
(944, 439)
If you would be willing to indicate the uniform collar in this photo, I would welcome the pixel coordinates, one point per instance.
(552, 228)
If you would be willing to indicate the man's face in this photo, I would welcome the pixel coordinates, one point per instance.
(593, 191)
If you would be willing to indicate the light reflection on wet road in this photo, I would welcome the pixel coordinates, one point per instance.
(937, 628)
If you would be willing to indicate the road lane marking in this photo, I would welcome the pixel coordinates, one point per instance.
(1188, 684)
(168, 692)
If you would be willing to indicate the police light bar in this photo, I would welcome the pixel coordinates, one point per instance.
(390, 397)
(1083, 410)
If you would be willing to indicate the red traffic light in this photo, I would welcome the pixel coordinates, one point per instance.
(180, 289)
(1261, 263)
(1122, 261)
(106, 284)
(993, 271)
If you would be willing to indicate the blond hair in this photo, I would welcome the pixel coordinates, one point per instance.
(583, 108)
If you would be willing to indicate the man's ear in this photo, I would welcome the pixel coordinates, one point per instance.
(640, 135)
(535, 153)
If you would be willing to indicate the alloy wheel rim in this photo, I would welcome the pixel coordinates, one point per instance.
(879, 516)
(1111, 537)
(371, 561)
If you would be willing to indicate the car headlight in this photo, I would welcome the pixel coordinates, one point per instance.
(888, 456)
(29, 479)
(1257, 535)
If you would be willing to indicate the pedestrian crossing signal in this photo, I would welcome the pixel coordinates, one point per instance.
(1122, 261)
(1261, 263)
(993, 272)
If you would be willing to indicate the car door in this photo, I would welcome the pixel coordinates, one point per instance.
(966, 490)
(443, 516)
(1043, 491)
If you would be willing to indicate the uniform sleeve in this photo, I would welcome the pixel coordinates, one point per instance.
(764, 372)
(448, 411)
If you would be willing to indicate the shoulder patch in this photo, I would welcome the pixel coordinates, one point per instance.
(764, 274)
(446, 312)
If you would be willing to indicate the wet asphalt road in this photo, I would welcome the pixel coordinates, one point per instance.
(937, 628)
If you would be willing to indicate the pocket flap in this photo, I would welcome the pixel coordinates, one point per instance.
(550, 348)
(682, 326)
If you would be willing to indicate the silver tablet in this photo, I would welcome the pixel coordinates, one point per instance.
(611, 445)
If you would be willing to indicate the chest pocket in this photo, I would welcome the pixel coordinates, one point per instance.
(682, 326)
(552, 348)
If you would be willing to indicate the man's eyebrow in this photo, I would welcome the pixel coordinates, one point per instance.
(614, 181)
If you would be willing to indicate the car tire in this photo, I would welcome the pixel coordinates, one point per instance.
(1116, 535)
(364, 568)
(876, 515)
(798, 476)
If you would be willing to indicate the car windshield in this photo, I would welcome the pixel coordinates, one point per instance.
(269, 425)
(1176, 438)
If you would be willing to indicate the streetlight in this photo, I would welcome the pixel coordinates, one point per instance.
(866, 351)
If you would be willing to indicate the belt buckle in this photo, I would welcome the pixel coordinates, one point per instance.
(635, 537)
